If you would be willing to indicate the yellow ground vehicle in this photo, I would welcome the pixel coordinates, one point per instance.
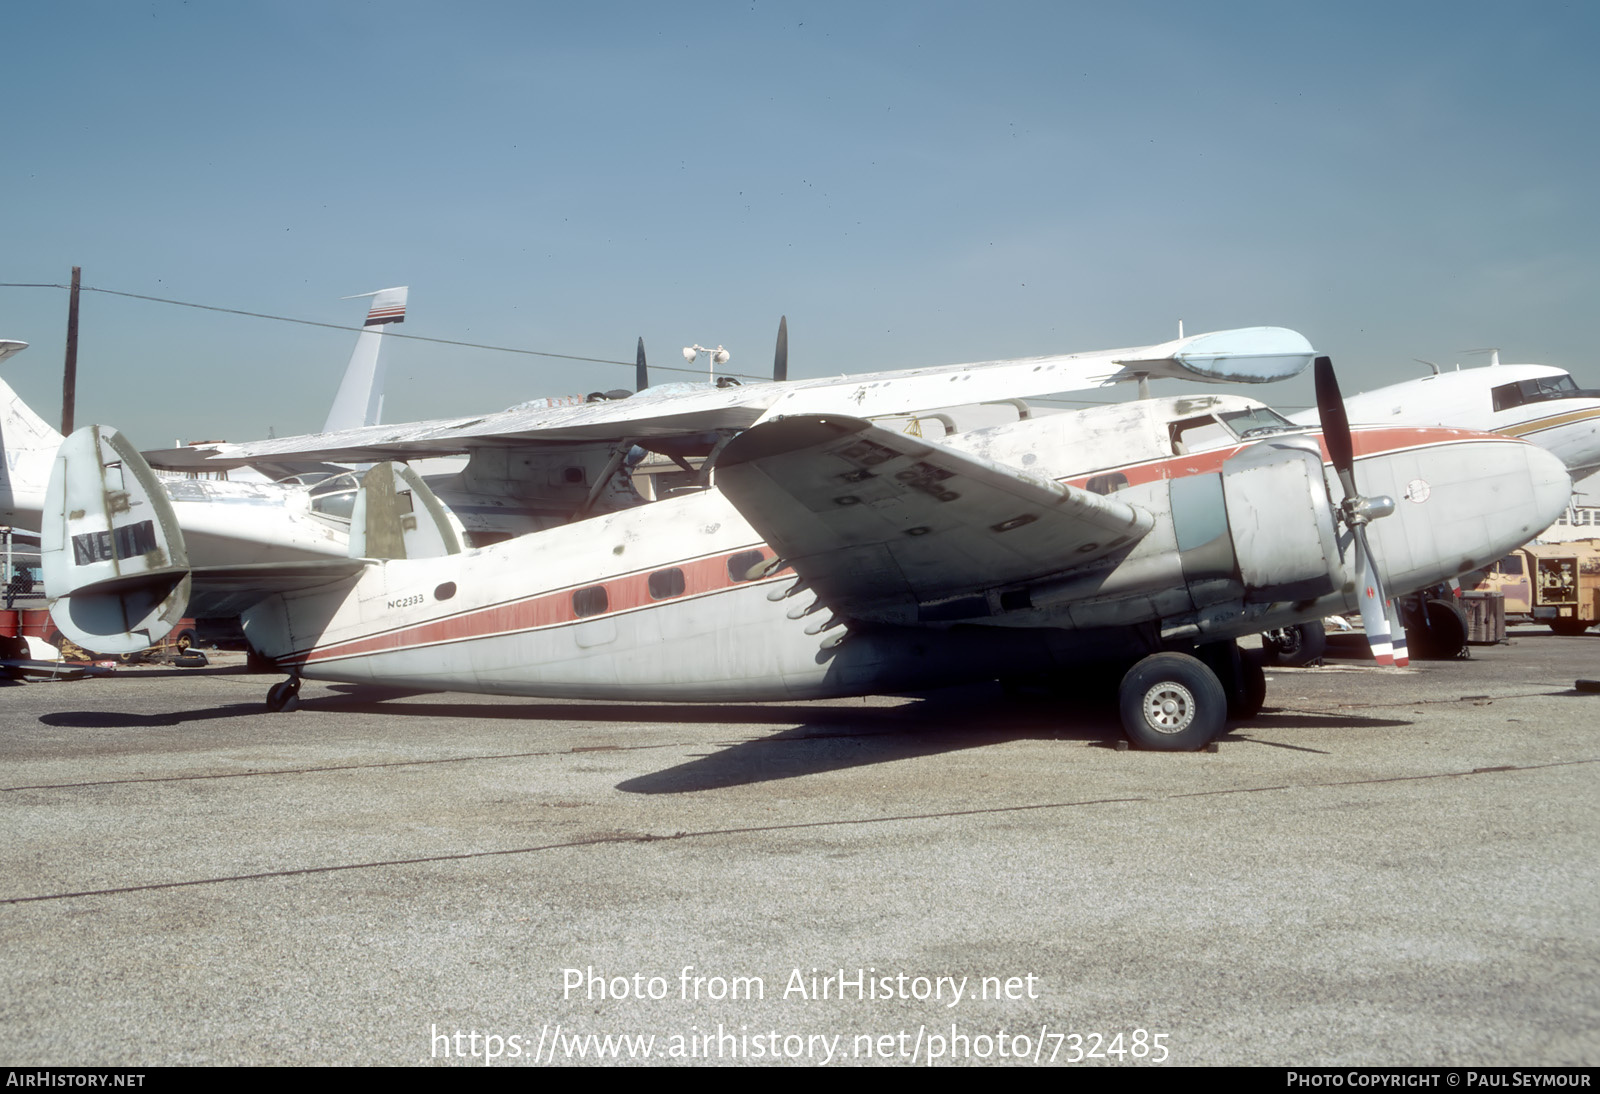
(1557, 583)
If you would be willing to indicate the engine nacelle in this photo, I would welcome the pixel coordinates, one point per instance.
(1281, 519)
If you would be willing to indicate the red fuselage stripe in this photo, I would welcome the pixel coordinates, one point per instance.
(628, 592)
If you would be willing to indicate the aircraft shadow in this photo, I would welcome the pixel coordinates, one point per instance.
(929, 726)
(116, 719)
(932, 727)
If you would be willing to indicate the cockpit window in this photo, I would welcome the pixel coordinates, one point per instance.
(335, 498)
(1537, 390)
(1195, 434)
(1257, 421)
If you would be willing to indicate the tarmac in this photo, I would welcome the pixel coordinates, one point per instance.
(1386, 867)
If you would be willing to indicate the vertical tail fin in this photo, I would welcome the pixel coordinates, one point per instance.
(397, 516)
(113, 554)
(360, 398)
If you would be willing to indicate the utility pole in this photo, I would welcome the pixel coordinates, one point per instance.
(69, 380)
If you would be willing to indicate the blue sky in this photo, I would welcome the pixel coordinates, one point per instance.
(911, 184)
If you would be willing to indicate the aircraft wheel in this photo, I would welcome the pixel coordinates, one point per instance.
(1240, 674)
(1568, 627)
(1294, 647)
(1249, 693)
(184, 641)
(283, 696)
(1171, 702)
(1445, 635)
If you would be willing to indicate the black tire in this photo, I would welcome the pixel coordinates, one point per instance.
(284, 695)
(184, 641)
(1249, 693)
(1171, 702)
(1241, 676)
(1294, 647)
(1445, 636)
(1569, 628)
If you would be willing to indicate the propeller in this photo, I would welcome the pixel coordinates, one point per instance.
(780, 359)
(641, 374)
(1357, 511)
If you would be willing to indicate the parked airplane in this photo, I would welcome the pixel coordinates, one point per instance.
(1538, 403)
(835, 557)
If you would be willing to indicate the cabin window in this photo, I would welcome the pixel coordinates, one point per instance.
(445, 591)
(590, 601)
(1510, 565)
(665, 584)
(740, 565)
(1108, 483)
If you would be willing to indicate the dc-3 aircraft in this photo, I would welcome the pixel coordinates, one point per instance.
(1539, 403)
(831, 556)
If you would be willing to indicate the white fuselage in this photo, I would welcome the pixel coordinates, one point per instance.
(1535, 402)
(658, 602)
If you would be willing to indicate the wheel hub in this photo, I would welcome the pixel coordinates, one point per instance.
(1169, 707)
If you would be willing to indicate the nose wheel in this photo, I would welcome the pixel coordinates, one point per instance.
(284, 696)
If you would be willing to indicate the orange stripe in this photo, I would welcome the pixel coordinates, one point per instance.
(626, 593)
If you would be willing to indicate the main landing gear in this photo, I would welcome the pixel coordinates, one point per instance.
(284, 695)
(1178, 702)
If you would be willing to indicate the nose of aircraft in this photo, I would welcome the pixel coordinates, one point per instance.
(1551, 486)
(1522, 490)
(1460, 504)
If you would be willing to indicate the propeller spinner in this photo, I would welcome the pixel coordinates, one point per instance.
(1388, 643)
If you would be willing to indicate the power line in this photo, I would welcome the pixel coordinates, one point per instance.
(357, 330)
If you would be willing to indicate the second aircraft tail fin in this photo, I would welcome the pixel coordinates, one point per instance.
(360, 398)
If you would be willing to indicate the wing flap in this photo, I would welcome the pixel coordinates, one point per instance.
(889, 527)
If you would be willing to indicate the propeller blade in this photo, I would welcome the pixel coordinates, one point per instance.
(780, 359)
(641, 375)
(1357, 511)
(1397, 633)
(1335, 423)
(1374, 617)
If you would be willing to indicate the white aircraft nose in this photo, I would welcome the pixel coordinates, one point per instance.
(1460, 505)
(1551, 486)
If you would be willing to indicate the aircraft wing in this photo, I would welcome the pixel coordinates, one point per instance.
(1254, 354)
(642, 417)
(891, 528)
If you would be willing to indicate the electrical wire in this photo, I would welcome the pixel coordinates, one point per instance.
(386, 334)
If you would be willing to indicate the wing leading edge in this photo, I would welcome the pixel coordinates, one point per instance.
(889, 528)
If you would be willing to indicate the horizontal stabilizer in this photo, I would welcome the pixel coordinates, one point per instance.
(397, 516)
(113, 555)
(889, 527)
